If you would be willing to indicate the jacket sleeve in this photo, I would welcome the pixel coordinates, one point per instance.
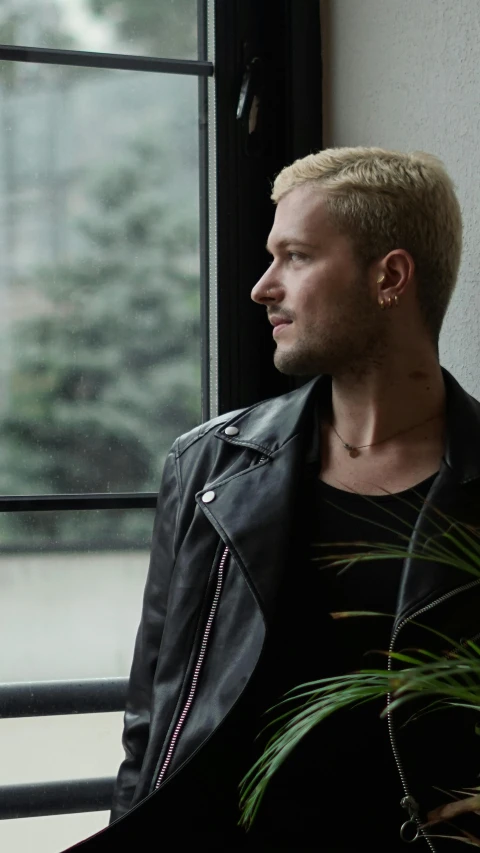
(149, 635)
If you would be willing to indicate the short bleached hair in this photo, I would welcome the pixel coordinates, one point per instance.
(387, 200)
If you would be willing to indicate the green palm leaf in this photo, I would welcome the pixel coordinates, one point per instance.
(453, 679)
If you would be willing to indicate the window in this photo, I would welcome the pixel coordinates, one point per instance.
(138, 141)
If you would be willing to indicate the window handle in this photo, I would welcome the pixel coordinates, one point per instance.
(248, 90)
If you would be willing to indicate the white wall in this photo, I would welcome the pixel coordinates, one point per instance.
(405, 74)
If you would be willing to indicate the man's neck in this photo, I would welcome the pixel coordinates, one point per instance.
(389, 410)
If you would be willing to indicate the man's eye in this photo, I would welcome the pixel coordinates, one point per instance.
(295, 256)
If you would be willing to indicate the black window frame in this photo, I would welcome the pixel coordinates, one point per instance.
(264, 49)
(284, 35)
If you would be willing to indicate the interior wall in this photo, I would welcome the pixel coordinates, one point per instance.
(405, 74)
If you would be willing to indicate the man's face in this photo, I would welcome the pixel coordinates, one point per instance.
(316, 283)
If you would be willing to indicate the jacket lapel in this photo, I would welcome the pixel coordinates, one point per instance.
(256, 510)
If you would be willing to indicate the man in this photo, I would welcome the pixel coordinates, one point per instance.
(365, 250)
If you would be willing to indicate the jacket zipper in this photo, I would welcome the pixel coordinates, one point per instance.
(408, 802)
(196, 672)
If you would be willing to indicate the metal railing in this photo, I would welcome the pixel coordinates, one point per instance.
(51, 698)
(70, 796)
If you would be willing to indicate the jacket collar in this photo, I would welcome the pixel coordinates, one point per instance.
(462, 452)
(454, 492)
(269, 425)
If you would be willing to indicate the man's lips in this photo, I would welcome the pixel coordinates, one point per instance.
(280, 326)
(278, 323)
(276, 320)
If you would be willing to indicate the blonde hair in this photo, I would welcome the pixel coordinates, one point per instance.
(387, 200)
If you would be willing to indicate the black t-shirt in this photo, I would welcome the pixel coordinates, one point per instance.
(340, 789)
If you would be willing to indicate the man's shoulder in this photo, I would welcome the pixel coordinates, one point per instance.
(184, 441)
(260, 417)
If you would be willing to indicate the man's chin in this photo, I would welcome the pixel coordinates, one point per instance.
(293, 366)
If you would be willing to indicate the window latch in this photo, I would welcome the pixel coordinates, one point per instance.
(248, 101)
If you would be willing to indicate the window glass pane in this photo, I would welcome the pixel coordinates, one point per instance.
(165, 28)
(49, 834)
(70, 607)
(99, 276)
(49, 749)
(68, 614)
(75, 746)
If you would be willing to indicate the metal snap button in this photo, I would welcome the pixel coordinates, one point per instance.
(208, 497)
(232, 431)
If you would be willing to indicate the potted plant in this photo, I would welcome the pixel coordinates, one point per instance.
(452, 679)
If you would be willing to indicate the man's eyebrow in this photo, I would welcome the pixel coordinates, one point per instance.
(289, 240)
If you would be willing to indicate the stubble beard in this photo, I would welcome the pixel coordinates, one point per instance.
(353, 343)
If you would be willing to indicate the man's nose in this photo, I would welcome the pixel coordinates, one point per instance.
(267, 288)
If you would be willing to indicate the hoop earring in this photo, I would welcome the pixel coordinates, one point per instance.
(390, 303)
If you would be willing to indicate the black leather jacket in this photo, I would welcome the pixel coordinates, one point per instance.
(223, 529)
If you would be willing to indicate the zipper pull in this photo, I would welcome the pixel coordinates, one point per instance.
(410, 830)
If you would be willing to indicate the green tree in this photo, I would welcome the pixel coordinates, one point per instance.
(108, 374)
(167, 28)
(43, 19)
